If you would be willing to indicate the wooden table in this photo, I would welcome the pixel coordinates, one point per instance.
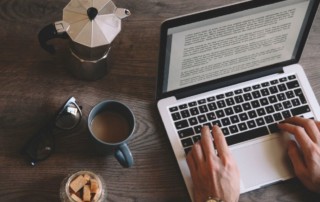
(34, 84)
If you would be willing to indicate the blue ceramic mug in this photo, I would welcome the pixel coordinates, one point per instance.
(111, 125)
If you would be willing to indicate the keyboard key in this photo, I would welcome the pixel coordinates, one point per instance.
(211, 99)
(181, 124)
(176, 116)
(234, 119)
(225, 131)
(281, 96)
(221, 103)
(255, 87)
(247, 89)
(272, 99)
(196, 138)
(233, 129)
(203, 108)
(246, 106)
(220, 113)
(270, 109)
(230, 101)
(252, 114)
(202, 118)
(264, 101)
(261, 112)
(184, 106)
(243, 116)
(211, 116)
(268, 119)
(237, 92)
(251, 124)
(273, 82)
(247, 96)
(217, 123)
(278, 107)
(260, 121)
(265, 84)
(292, 77)
(219, 97)
(229, 111)
(295, 102)
(192, 104)
(256, 94)
(173, 109)
(194, 111)
(185, 133)
(273, 89)
(286, 114)
(197, 129)
(185, 114)
(277, 117)
(229, 94)
(284, 79)
(282, 87)
(287, 104)
(193, 121)
(293, 84)
(290, 94)
(247, 135)
(212, 106)
(273, 128)
(237, 109)
(207, 124)
(299, 93)
(265, 92)
(255, 104)
(300, 110)
(225, 121)
(242, 126)
(202, 101)
(238, 99)
(187, 142)
(187, 150)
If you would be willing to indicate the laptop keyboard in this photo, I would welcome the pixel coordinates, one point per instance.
(242, 114)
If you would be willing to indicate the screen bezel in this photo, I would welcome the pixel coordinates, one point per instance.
(208, 14)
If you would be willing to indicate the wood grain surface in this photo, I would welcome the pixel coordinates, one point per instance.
(34, 84)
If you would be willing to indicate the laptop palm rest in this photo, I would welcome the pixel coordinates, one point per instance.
(263, 162)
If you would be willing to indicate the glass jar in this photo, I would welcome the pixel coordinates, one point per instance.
(77, 186)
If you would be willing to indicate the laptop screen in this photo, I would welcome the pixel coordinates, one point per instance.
(229, 44)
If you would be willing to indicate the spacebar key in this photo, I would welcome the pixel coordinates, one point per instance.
(247, 135)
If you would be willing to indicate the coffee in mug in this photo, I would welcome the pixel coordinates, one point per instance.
(111, 124)
(110, 127)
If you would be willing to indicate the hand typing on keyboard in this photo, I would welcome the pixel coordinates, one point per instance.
(213, 175)
(306, 160)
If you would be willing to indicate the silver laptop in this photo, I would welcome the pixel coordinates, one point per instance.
(237, 67)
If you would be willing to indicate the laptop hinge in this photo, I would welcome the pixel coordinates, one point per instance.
(227, 82)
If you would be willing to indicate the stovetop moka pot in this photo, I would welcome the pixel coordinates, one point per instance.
(90, 26)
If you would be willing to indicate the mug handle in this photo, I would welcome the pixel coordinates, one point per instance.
(124, 156)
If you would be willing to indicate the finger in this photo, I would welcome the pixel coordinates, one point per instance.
(220, 142)
(190, 161)
(296, 159)
(309, 125)
(197, 154)
(300, 134)
(207, 142)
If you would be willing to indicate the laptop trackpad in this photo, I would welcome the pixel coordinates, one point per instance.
(263, 163)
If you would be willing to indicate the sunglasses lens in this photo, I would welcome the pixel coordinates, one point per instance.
(41, 146)
(69, 117)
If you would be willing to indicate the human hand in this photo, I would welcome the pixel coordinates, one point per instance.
(306, 160)
(213, 175)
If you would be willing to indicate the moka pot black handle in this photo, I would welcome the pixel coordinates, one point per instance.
(47, 33)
